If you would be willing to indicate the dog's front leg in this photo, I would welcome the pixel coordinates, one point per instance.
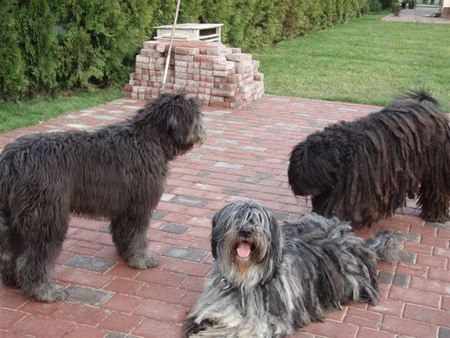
(216, 332)
(129, 232)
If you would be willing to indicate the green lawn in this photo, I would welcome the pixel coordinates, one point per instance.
(16, 115)
(364, 61)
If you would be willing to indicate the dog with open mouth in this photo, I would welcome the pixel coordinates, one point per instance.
(270, 280)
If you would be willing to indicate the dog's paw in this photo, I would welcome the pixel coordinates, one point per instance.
(50, 293)
(145, 261)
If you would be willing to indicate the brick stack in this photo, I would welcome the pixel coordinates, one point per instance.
(216, 75)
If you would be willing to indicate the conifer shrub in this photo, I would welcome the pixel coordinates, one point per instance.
(49, 46)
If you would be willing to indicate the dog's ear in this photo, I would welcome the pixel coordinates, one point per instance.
(275, 245)
(219, 227)
(173, 127)
(315, 166)
(172, 113)
(275, 249)
(178, 112)
(215, 234)
(296, 169)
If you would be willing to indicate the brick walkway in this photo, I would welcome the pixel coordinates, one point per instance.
(245, 156)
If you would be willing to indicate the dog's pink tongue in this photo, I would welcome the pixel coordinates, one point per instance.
(244, 250)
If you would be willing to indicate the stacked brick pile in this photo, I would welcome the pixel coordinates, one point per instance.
(216, 75)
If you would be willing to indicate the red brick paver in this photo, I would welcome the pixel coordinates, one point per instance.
(245, 156)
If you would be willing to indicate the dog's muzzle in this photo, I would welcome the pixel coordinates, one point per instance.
(244, 247)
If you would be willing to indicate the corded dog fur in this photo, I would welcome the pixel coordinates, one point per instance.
(364, 170)
(117, 171)
(268, 281)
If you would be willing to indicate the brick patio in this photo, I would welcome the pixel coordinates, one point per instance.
(245, 156)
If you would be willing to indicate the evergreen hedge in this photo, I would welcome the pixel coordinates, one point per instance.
(48, 46)
(13, 82)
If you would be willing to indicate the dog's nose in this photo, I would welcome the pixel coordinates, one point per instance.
(245, 232)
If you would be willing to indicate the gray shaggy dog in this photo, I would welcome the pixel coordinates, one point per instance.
(363, 170)
(117, 172)
(268, 281)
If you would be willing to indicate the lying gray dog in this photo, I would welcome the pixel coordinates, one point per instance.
(269, 281)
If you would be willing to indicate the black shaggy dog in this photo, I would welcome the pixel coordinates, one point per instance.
(363, 170)
(268, 281)
(117, 172)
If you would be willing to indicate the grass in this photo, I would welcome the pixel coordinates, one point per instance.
(365, 61)
(16, 115)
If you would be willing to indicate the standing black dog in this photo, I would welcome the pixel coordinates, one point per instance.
(117, 171)
(363, 170)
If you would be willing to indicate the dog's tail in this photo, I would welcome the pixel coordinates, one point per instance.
(419, 95)
(385, 246)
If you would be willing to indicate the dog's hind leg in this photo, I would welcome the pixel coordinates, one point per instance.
(38, 241)
(434, 191)
(129, 232)
(7, 261)
(433, 202)
(8, 266)
(7, 271)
